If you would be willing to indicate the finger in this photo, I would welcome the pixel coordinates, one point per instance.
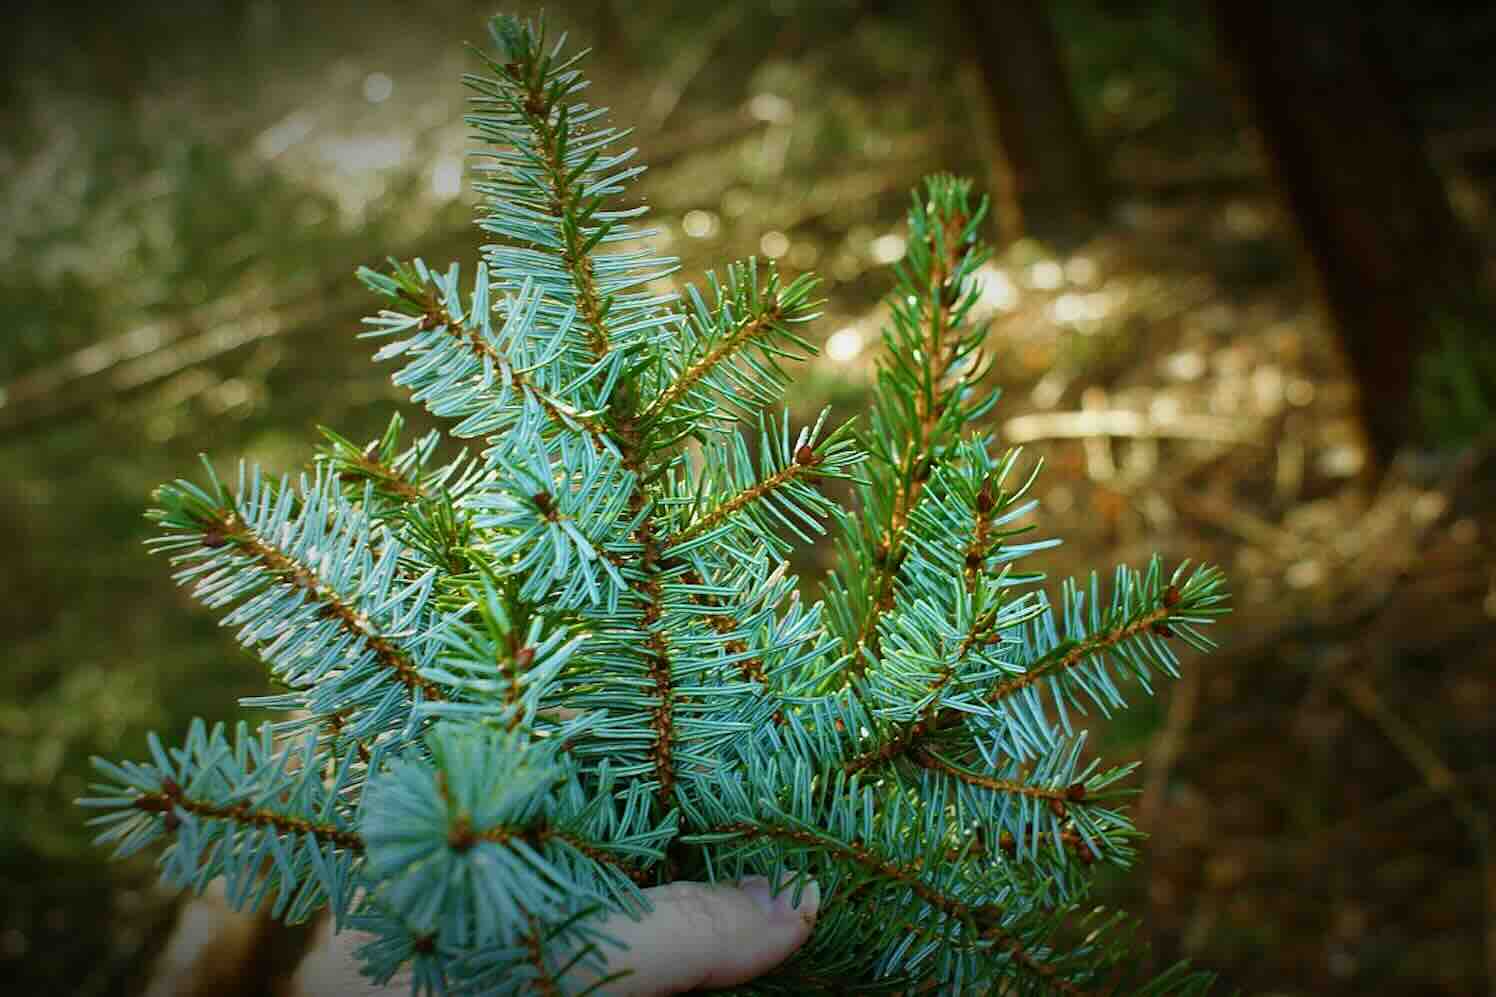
(703, 935)
(330, 969)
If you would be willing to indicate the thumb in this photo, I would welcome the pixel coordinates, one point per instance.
(704, 935)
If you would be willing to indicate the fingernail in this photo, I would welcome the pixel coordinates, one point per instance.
(781, 907)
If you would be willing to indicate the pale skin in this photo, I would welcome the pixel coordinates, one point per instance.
(699, 936)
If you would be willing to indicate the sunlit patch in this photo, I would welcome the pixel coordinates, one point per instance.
(843, 345)
(774, 244)
(846, 267)
(1305, 574)
(378, 87)
(1428, 507)
(888, 248)
(1081, 270)
(1072, 307)
(358, 154)
(285, 133)
(1164, 408)
(700, 224)
(771, 108)
(1342, 461)
(998, 292)
(1069, 308)
(1046, 275)
(1299, 392)
(234, 396)
(1186, 365)
(1268, 388)
(446, 177)
(1245, 220)
(804, 255)
(736, 202)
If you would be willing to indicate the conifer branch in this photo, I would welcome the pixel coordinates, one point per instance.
(171, 797)
(1015, 950)
(745, 333)
(337, 721)
(929, 721)
(289, 572)
(926, 758)
(543, 983)
(656, 644)
(566, 204)
(1021, 955)
(387, 477)
(986, 917)
(663, 717)
(575, 664)
(738, 502)
(1065, 657)
(425, 306)
(533, 92)
(461, 836)
(916, 450)
(435, 315)
(897, 746)
(977, 550)
(853, 852)
(914, 737)
(723, 622)
(657, 657)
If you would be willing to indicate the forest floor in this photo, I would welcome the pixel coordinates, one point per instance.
(177, 252)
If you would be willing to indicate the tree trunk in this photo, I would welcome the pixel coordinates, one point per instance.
(1353, 171)
(1050, 182)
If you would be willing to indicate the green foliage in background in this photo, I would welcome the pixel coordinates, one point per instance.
(1455, 385)
(615, 546)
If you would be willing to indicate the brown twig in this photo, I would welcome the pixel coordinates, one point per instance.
(289, 572)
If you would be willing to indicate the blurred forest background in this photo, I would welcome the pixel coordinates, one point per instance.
(1242, 306)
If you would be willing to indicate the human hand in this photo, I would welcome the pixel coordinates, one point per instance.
(704, 936)
(699, 935)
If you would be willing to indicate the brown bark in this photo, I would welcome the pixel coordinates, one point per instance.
(1353, 171)
(1050, 181)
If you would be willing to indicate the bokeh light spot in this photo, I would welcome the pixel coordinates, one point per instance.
(378, 87)
(774, 244)
(699, 224)
(843, 345)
